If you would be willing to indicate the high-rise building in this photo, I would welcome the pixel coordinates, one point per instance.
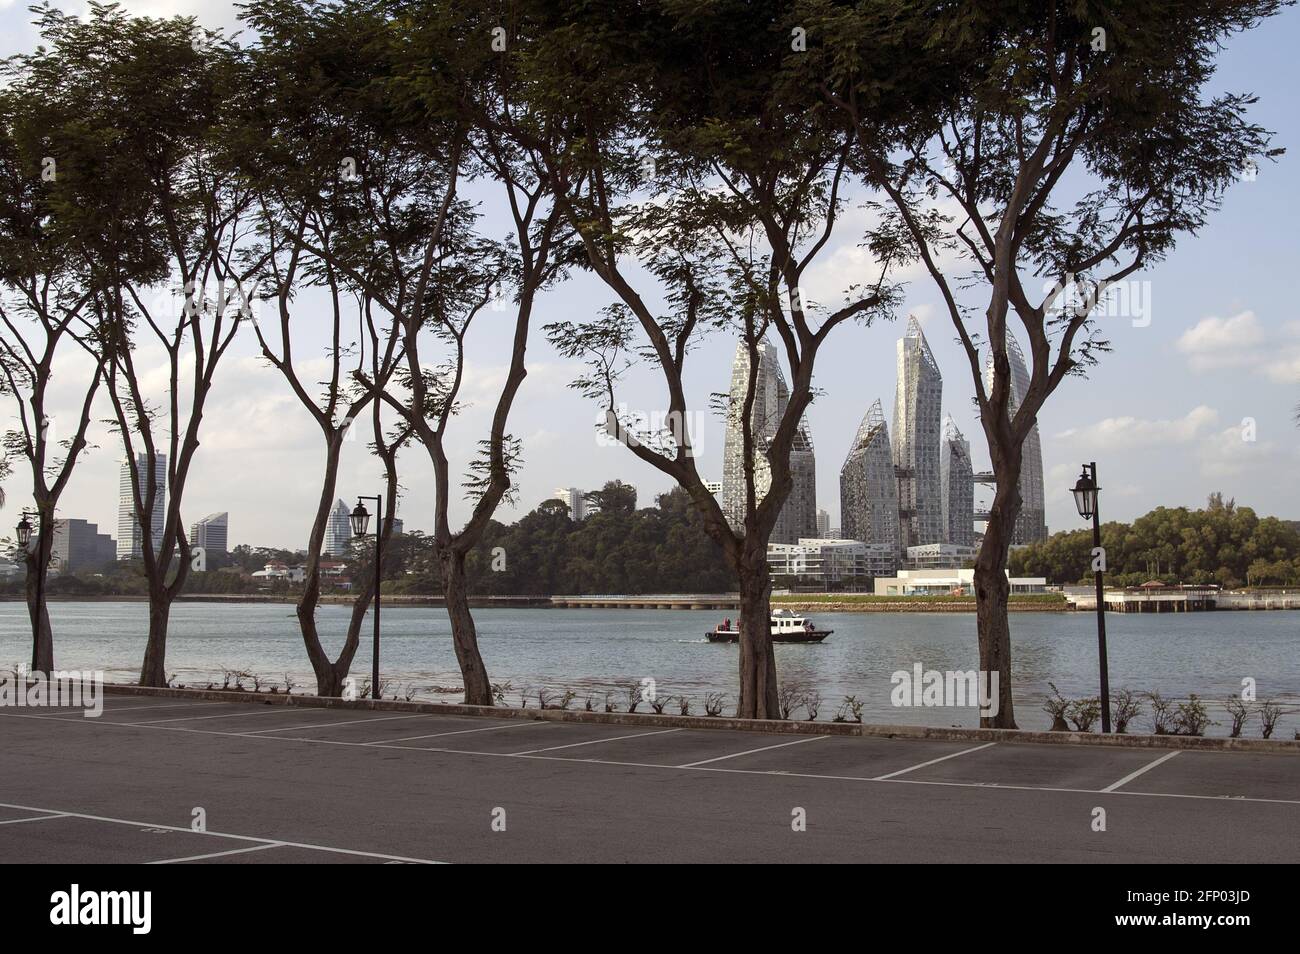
(130, 541)
(823, 523)
(958, 481)
(798, 517)
(1031, 525)
(573, 498)
(211, 533)
(338, 531)
(868, 487)
(78, 546)
(917, 414)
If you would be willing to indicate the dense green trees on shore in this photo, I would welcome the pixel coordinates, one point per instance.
(1223, 543)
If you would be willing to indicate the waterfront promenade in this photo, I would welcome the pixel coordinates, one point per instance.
(284, 784)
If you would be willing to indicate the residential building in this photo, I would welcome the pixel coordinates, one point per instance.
(574, 499)
(869, 509)
(936, 582)
(830, 563)
(1031, 525)
(939, 555)
(957, 482)
(918, 404)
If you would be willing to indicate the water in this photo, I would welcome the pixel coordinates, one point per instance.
(592, 651)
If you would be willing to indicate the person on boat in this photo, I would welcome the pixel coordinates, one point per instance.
(808, 625)
(726, 625)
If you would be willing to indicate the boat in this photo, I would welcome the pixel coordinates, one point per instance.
(787, 627)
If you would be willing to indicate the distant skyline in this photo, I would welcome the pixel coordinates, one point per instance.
(1215, 358)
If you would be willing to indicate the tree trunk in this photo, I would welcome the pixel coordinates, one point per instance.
(154, 670)
(758, 685)
(478, 690)
(992, 590)
(38, 610)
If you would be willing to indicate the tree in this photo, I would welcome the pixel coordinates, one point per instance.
(43, 316)
(1072, 143)
(307, 115)
(157, 219)
(724, 185)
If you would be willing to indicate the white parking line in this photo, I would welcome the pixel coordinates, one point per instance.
(736, 755)
(268, 842)
(179, 705)
(331, 725)
(612, 738)
(943, 758)
(270, 710)
(19, 821)
(217, 854)
(435, 735)
(1146, 768)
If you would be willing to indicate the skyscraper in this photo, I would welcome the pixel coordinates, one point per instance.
(958, 480)
(798, 517)
(338, 532)
(1031, 525)
(868, 487)
(917, 413)
(823, 523)
(130, 542)
(78, 546)
(211, 533)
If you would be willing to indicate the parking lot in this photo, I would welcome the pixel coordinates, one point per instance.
(167, 781)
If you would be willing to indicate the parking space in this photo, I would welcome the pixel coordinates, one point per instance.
(276, 773)
(1224, 775)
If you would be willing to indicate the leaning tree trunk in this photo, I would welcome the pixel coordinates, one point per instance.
(38, 610)
(154, 670)
(758, 685)
(478, 690)
(992, 590)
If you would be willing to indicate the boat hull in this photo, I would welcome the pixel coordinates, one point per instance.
(816, 636)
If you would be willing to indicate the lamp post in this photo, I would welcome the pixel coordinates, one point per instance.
(24, 532)
(1085, 498)
(360, 519)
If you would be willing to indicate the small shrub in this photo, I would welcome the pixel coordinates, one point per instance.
(590, 704)
(850, 708)
(1240, 711)
(1084, 713)
(1191, 717)
(610, 706)
(812, 703)
(1269, 714)
(1161, 713)
(1057, 706)
(684, 705)
(713, 703)
(566, 699)
(499, 690)
(788, 696)
(658, 703)
(1124, 709)
(633, 696)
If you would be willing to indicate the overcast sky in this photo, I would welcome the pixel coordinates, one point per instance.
(1216, 342)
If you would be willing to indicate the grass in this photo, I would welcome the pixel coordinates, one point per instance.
(1039, 598)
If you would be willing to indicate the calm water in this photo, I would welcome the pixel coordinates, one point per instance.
(595, 650)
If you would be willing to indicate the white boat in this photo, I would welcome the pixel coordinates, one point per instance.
(787, 627)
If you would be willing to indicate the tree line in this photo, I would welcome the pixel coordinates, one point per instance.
(1222, 544)
(165, 188)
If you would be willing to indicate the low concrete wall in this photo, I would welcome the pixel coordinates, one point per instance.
(776, 726)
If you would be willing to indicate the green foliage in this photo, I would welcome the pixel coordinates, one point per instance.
(1222, 544)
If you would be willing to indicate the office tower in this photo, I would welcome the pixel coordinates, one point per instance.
(917, 414)
(79, 547)
(868, 487)
(338, 532)
(798, 517)
(211, 533)
(572, 497)
(130, 542)
(1031, 525)
(958, 481)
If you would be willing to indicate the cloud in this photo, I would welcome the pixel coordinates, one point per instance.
(1114, 433)
(1242, 341)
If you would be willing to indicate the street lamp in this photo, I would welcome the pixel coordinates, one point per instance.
(24, 530)
(1085, 499)
(360, 519)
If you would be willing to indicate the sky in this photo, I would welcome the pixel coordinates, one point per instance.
(1198, 394)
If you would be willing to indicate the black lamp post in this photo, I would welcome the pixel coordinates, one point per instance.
(360, 519)
(1085, 498)
(24, 531)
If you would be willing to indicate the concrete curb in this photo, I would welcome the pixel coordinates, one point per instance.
(772, 726)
